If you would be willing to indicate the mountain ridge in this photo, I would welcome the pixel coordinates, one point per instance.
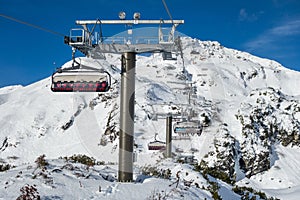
(236, 95)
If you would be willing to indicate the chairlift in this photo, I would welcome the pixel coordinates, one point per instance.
(188, 127)
(156, 144)
(80, 78)
(169, 55)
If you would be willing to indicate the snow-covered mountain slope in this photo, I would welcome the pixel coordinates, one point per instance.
(248, 106)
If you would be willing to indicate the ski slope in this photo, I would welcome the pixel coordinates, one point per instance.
(35, 121)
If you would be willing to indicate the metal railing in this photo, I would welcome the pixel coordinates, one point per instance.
(130, 40)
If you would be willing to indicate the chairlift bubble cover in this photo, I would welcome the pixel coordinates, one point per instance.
(80, 79)
(187, 127)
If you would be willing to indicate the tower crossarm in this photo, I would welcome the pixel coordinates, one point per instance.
(93, 46)
(128, 22)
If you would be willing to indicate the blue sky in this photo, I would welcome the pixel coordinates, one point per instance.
(266, 28)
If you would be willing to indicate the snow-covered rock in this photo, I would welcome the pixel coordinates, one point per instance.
(248, 107)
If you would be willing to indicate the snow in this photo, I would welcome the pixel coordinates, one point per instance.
(282, 180)
(32, 118)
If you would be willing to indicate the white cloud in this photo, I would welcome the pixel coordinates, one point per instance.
(278, 33)
(287, 29)
(245, 16)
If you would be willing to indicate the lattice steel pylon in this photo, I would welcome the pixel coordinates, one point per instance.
(86, 43)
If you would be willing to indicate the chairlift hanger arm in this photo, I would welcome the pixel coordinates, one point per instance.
(130, 22)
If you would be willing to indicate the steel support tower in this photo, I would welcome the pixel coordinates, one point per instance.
(85, 44)
(126, 117)
(169, 136)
